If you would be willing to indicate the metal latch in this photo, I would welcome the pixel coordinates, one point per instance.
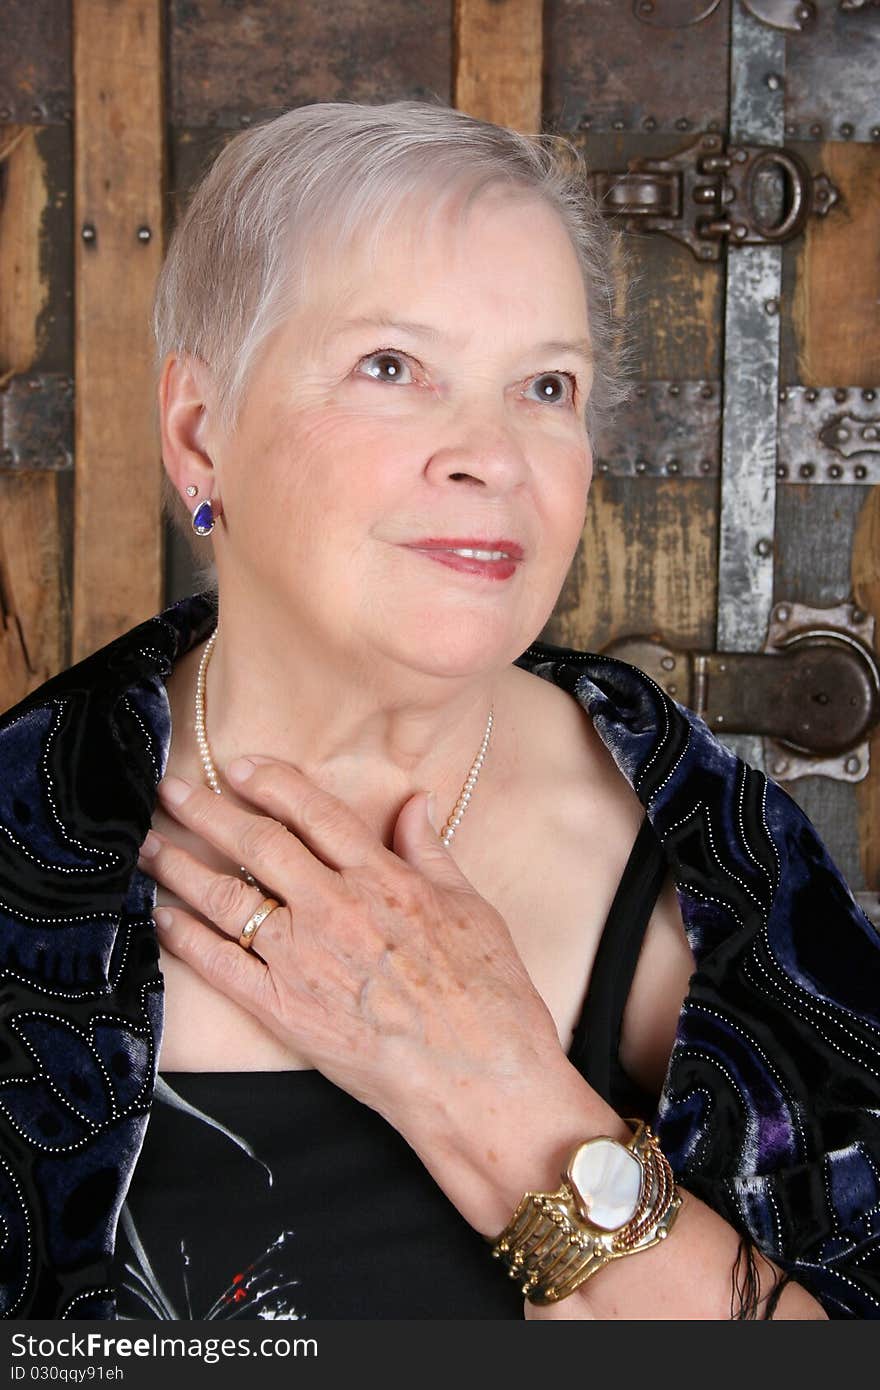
(813, 692)
(705, 195)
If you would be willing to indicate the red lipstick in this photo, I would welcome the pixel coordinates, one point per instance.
(488, 558)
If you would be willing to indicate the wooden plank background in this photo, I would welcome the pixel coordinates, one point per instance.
(648, 560)
(498, 57)
(119, 142)
(34, 575)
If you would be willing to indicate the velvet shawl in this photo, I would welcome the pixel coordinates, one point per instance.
(770, 1110)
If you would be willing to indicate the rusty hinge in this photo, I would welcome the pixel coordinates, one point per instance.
(36, 421)
(813, 692)
(705, 195)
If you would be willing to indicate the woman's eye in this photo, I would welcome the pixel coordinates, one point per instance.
(555, 387)
(386, 366)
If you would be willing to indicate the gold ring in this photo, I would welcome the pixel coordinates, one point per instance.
(254, 922)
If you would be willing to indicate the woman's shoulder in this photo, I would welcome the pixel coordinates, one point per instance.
(741, 849)
(147, 650)
(80, 757)
(650, 737)
(78, 741)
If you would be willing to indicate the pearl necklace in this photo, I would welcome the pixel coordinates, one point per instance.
(453, 820)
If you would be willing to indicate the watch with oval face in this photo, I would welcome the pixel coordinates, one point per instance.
(615, 1200)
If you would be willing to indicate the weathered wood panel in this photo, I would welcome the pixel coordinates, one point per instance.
(805, 570)
(118, 178)
(233, 64)
(190, 155)
(838, 275)
(648, 560)
(498, 61)
(674, 303)
(617, 66)
(35, 68)
(33, 570)
(647, 565)
(24, 292)
(34, 615)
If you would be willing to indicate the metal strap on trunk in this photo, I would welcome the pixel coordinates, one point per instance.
(751, 370)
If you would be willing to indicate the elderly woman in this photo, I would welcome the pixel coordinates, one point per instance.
(462, 974)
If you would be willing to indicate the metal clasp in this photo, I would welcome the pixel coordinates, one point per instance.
(813, 692)
(705, 195)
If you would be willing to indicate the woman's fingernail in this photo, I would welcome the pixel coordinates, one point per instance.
(152, 844)
(174, 790)
(432, 811)
(162, 917)
(240, 770)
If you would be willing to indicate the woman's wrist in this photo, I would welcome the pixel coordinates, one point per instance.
(690, 1276)
(486, 1148)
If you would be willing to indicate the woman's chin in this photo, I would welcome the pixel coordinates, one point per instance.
(462, 645)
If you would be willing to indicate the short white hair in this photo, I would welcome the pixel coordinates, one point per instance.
(307, 183)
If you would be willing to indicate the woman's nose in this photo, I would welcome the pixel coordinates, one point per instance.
(485, 453)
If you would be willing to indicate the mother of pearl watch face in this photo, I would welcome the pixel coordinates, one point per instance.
(607, 1181)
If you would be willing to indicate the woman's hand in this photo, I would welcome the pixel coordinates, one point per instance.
(386, 969)
(403, 986)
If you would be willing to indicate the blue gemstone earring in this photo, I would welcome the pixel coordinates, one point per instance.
(203, 518)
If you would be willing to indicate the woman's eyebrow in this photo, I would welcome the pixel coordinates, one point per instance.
(423, 330)
(579, 347)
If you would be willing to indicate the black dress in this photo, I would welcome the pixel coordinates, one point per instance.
(277, 1195)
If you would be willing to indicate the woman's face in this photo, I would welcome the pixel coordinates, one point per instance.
(426, 401)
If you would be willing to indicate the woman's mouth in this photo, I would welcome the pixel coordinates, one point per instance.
(495, 559)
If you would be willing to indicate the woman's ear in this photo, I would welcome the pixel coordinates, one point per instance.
(184, 412)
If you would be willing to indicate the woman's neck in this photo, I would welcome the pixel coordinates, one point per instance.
(369, 732)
